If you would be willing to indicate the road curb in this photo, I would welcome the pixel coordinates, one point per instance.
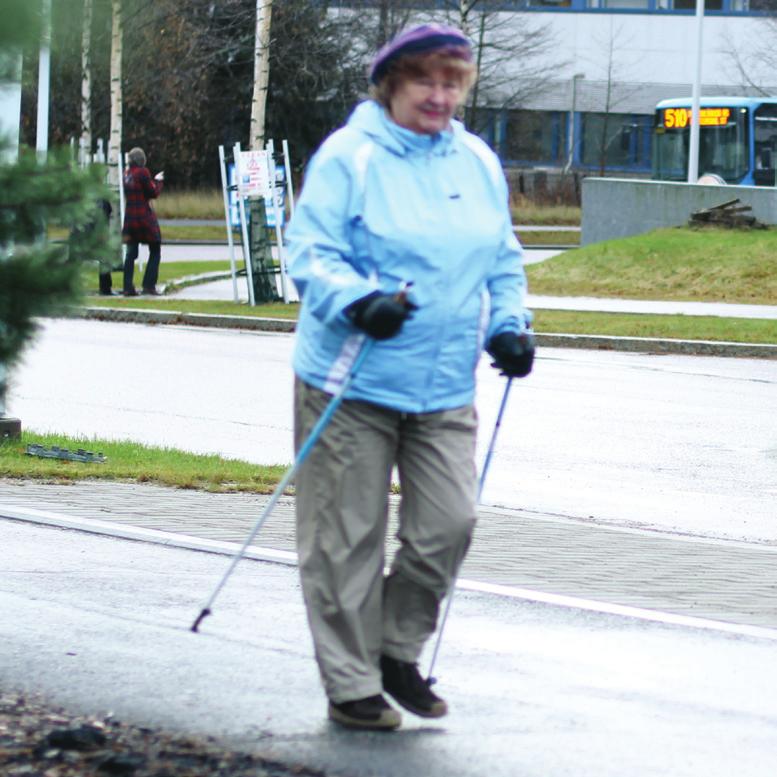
(659, 346)
(180, 318)
(545, 340)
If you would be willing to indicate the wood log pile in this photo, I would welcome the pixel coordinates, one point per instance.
(731, 215)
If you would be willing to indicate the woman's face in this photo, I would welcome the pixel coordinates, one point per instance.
(425, 104)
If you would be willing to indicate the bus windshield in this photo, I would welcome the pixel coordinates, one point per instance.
(723, 143)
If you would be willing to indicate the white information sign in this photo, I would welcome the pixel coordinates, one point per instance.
(255, 174)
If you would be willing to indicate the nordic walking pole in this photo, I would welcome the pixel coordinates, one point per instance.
(481, 483)
(315, 433)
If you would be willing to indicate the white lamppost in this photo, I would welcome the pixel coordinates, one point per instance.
(570, 156)
(693, 147)
(44, 82)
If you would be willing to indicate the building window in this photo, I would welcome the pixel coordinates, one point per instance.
(615, 140)
(690, 5)
(634, 4)
(535, 136)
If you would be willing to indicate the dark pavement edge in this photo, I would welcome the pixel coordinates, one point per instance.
(545, 340)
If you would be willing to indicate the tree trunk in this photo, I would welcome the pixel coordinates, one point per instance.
(383, 24)
(472, 117)
(465, 6)
(261, 73)
(86, 81)
(114, 144)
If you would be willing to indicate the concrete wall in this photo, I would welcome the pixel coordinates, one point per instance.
(615, 207)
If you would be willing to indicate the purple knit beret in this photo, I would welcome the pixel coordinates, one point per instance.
(418, 39)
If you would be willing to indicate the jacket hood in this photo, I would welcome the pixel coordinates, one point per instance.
(372, 119)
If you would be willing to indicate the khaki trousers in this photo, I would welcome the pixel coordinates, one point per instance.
(355, 614)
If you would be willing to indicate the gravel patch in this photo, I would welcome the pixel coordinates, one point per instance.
(38, 739)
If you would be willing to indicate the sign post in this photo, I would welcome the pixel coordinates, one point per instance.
(289, 185)
(225, 189)
(243, 226)
(276, 194)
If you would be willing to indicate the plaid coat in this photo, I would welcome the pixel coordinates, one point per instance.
(140, 224)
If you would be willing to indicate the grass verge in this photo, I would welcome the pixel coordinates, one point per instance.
(196, 204)
(549, 238)
(169, 273)
(733, 330)
(209, 204)
(525, 212)
(133, 462)
(214, 307)
(672, 264)
(704, 265)
(197, 232)
(736, 330)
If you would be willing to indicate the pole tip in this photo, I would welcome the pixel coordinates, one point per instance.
(204, 614)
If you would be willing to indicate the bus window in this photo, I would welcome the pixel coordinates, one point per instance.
(723, 143)
(765, 145)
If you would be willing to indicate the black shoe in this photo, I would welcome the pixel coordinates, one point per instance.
(374, 712)
(130, 293)
(108, 293)
(403, 681)
(151, 292)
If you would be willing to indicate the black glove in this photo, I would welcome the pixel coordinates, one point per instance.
(513, 354)
(380, 315)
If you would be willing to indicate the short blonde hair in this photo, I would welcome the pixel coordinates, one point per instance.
(419, 65)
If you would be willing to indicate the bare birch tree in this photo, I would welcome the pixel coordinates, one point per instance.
(261, 73)
(613, 90)
(753, 60)
(500, 40)
(86, 80)
(114, 143)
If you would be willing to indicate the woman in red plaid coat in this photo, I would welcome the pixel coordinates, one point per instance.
(140, 223)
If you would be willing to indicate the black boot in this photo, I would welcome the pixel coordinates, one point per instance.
(374, 712)
(403, 681)
(106, 284)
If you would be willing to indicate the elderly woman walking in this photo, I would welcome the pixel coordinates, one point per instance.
(402, 237)
(140, 222)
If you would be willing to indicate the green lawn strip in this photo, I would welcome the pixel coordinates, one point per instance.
(676, 327)
(169, 272)
(209, 204)
(218, 234)
(672, 264)
(544, 238)
(195, 232)
(187, 204)
(133, 462)
(558, 321)
(545, 215)
(668, 264)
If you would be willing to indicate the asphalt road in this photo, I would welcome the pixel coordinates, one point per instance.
(674, 443)
(101, 625)
(684, 445)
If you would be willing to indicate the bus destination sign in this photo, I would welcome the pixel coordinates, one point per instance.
(679, 118)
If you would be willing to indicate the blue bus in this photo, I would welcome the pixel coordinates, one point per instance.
(737, 139)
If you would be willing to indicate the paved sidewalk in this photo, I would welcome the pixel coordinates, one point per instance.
(656, 307)
(717, 580)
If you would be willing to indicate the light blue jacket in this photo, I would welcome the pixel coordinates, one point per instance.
(382, 206)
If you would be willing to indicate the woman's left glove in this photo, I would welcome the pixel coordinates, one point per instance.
(513, 354)
(380, 315)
